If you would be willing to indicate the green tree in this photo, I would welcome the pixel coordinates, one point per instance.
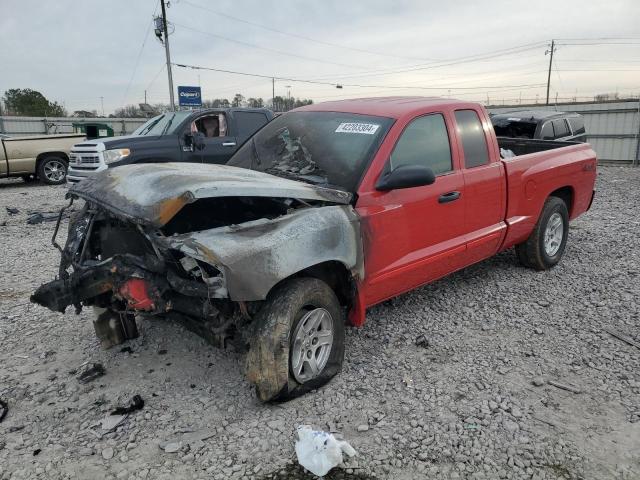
(284, 104)
(27, 102)
(216, 103)
(255, 102)
(237, 100)
(128, 111)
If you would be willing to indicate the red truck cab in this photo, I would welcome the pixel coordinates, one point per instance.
(479, 204)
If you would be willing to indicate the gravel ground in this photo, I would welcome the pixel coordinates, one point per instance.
(473, 401)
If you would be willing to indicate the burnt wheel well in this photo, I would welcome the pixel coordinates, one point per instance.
(336, 275)
(566, 195)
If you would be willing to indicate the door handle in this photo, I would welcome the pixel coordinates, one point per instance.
(228, 144)
(448, 197)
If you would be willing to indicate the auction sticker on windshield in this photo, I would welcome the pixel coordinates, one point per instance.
(366, 128)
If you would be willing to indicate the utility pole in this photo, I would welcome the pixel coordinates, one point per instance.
(550, 52)
(102, 105)
(273, 93)
(167, 53)
(145, 96)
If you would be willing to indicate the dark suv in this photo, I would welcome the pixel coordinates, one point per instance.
(540, 125)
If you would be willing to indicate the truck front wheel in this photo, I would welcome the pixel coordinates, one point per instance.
(297, 344)
(52, 170)
(546, 244)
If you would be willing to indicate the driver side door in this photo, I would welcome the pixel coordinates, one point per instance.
(216, 149)
(415, 235)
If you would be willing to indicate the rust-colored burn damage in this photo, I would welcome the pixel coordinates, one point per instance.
(168, 208)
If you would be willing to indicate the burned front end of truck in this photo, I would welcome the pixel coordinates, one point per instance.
(217, 248)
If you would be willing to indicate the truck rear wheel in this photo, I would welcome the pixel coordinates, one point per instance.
(52, 170)
(298, 340)
(545, 246)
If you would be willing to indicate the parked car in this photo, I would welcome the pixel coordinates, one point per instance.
(202, 136)
(44, 157)
(541, 125)
(328, 210)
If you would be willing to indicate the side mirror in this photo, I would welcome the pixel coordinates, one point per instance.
(405, 176)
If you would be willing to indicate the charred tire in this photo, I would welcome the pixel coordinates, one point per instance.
(293, 327)
(545, 246)
(52, 170)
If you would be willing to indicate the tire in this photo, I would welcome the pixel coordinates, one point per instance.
(283, 346)
(52, 170)
(545, 246)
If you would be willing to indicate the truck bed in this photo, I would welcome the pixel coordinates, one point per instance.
(533, 176)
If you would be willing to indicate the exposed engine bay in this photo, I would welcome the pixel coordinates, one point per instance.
(210, 262)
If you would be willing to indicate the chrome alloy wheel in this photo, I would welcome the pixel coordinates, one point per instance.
(54, 170)
(312, 341)
(553, 234)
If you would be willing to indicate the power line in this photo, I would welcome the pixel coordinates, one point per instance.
(303, 37)
(334, 84)
(455, 61)
(156, 76)
(135, 68)
(267, 49)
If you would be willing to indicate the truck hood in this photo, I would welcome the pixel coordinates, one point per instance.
(151, 194)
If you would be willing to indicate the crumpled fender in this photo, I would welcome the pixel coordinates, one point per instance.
(255, 256)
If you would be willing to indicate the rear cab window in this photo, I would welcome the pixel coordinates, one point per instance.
(472, 136)
(546, 133)
(514, 127)
(424, 142)
(560, 128)
(249, 123)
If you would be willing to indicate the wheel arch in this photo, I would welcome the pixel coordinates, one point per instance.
(567, 195)
(44, 155)
(335, 274)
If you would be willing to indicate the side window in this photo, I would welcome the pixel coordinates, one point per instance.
(212, 125)
(547, 131)
(577, 125)
(424, 142)
(560, 128)
(474, 142)
(249, 122)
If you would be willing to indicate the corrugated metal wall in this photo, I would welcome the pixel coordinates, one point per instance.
(46, 126)
(613, 128)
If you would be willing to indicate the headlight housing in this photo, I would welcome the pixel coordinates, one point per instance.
(115, 155)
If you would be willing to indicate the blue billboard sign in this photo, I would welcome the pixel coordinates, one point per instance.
(189, 97)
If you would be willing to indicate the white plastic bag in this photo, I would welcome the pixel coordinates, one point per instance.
(319, 451)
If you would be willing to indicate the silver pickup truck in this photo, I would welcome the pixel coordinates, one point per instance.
(43, 157)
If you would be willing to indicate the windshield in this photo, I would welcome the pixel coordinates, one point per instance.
(513, 127)
(323, 148)
(167, 123)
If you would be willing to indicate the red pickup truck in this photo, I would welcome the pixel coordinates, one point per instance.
(336, 207)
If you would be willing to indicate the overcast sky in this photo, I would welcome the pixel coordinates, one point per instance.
(76, 51)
